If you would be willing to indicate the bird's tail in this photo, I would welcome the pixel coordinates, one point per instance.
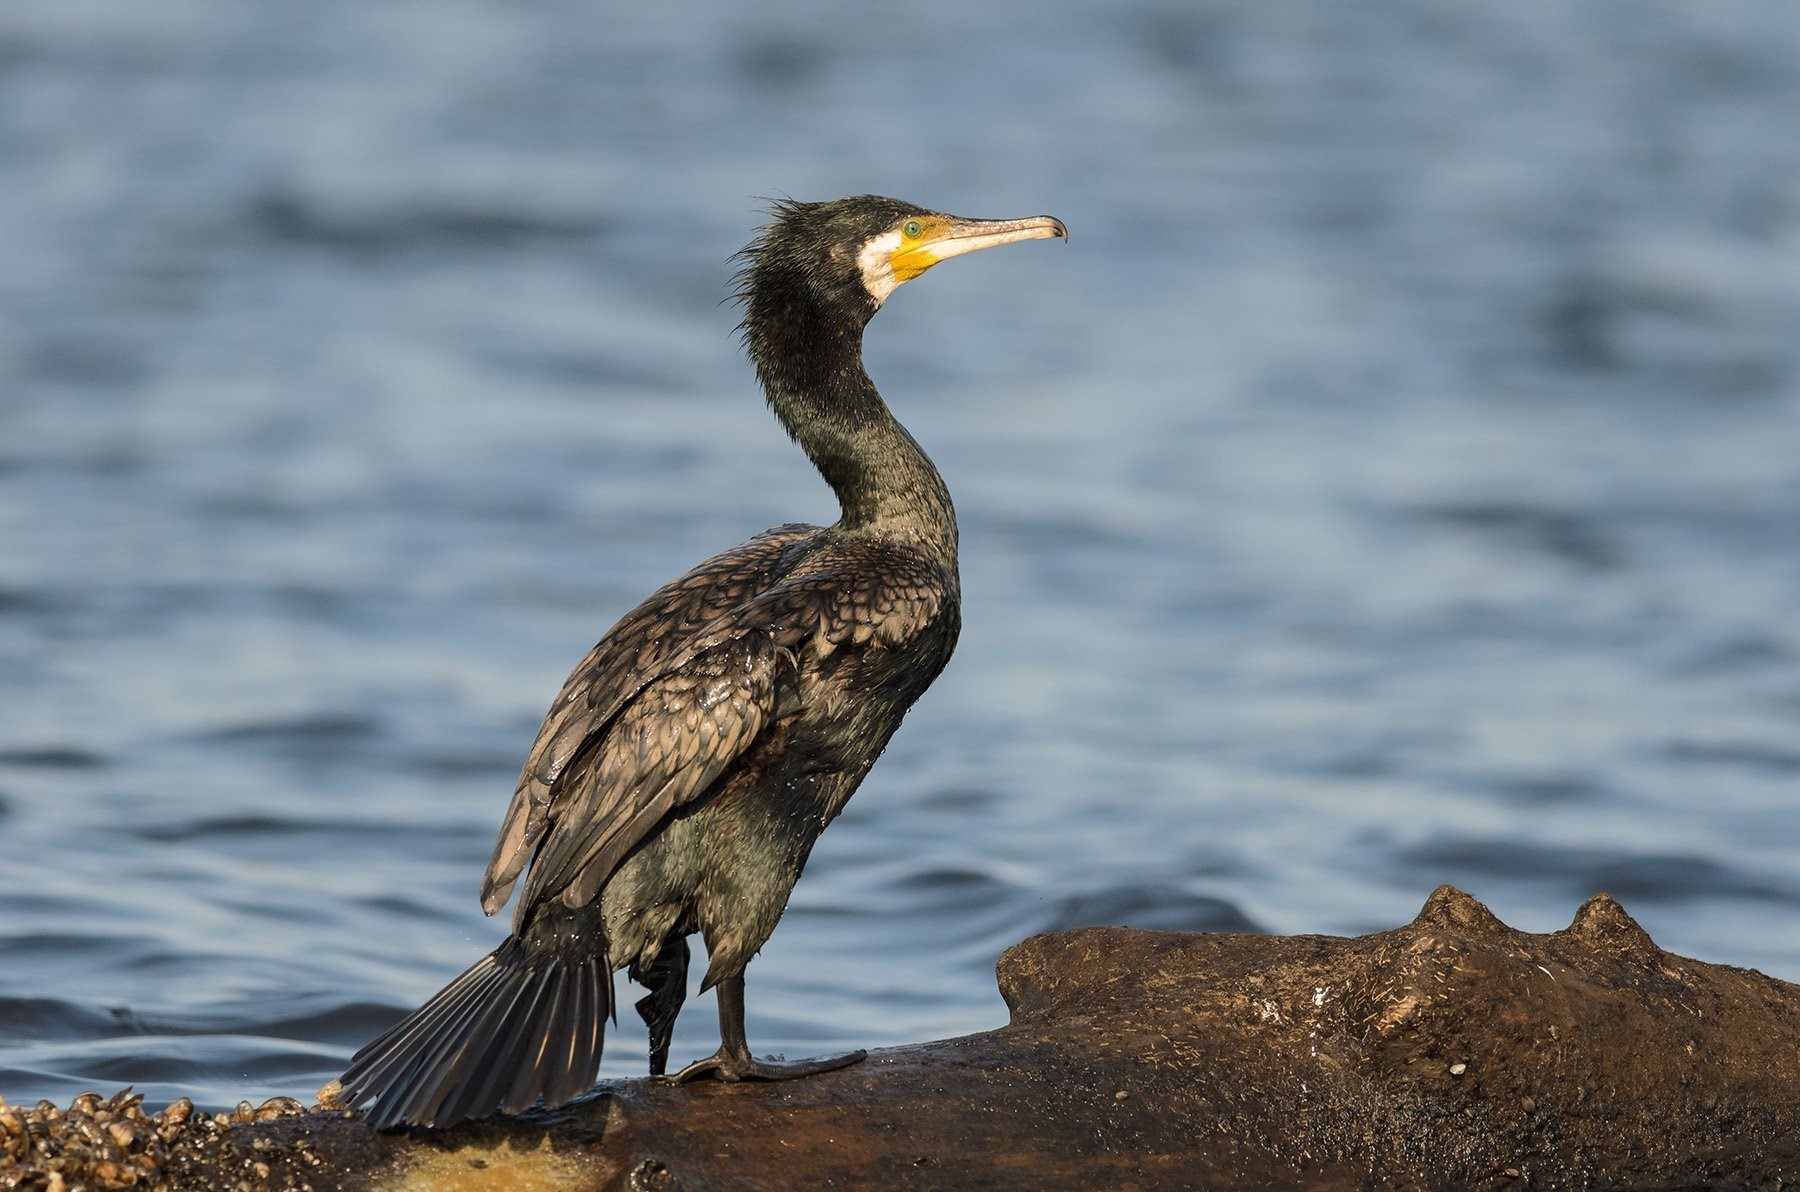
(525, 1021)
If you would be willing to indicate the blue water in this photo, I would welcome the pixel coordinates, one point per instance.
(1396, 480)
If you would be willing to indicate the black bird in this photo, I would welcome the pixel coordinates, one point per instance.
(696, 753)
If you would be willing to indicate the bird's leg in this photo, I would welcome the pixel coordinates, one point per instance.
(666, 978)
(733, 1061)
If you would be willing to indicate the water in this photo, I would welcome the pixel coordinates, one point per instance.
(1395, 481)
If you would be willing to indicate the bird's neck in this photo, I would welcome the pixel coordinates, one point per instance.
(812, 370)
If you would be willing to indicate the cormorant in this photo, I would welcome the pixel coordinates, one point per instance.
(694, 756)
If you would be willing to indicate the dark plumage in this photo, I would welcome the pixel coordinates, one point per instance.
(694, 756)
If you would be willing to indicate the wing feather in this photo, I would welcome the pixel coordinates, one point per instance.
(624, 748)
(665, 748)
(644, 643)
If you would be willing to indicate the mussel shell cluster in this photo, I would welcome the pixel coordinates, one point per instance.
(111, 1142)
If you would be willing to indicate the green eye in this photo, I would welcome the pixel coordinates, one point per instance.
(913, 229)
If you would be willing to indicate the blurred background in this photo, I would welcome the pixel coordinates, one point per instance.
(1395, 481)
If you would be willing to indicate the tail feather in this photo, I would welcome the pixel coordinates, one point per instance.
(492, 1076)
(590, 1020)
(547, 1008)
(472, 1080)
(389, 1058)
(422, 1081)
(596, 992)
(521, 1023)
(570, 1053)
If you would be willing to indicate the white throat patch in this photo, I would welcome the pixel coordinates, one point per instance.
(876, 260)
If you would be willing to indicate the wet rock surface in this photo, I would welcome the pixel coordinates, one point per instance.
(1453, 1052)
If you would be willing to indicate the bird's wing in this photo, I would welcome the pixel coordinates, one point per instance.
(633, 652)
(683, 727)
(663, 750)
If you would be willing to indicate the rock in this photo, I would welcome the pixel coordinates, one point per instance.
(1452, 1052)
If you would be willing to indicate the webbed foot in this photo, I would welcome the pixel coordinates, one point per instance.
(733, 1061)
(732, 1068)
(667, 982)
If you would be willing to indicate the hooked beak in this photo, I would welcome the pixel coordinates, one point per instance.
(945, 236)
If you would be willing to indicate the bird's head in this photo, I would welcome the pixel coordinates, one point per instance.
(844, 257)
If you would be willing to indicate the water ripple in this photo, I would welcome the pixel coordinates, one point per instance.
(1638, 878)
